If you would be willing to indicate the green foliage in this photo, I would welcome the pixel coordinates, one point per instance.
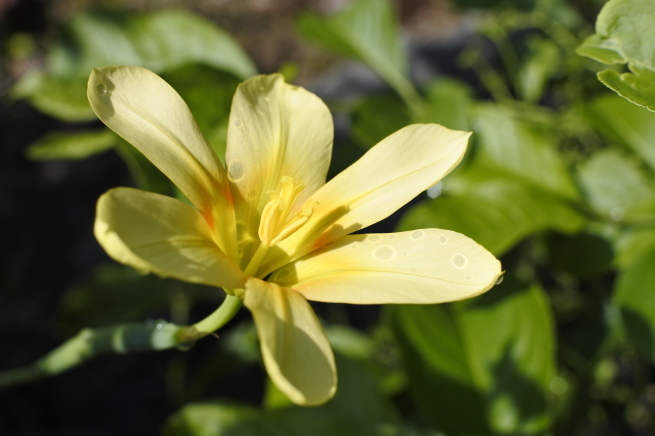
(617, 188)
(624, 35)
(356, 410)
(160, 42)
(456, 360)
(626, 124)
(635, 297)
(496, 213)
(71, 146)
(367, 31)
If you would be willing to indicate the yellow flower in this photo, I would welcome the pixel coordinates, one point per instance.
(269, 230)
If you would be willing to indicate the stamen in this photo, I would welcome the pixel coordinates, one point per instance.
(275, 224)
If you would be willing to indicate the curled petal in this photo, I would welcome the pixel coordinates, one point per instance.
(159, 234)
(296, 353)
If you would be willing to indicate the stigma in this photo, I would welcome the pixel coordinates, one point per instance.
(276, 224)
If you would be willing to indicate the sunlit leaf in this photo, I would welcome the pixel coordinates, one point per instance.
(520, 150)
(617, 188)
(160, 41)
(635, 297)
(71, 146)
(367, 30)
(625, 124)
(497, 214)
(624, 35)
(449, 103)
(481, 366)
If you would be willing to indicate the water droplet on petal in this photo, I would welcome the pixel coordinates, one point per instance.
(101, 90)
(384, 252)
(468, 276)
(235, 171)
(405, 254)
(443, 239)
(159, 326)
(391, 236)
(252, 194)
(373, 238)
(354, 245)
(238, 123)
(500, 279)
(416, 235)
(459, 261)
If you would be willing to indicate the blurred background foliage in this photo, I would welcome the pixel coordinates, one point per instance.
(558, 182)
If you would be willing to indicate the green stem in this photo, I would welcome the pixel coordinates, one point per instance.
(220, 317)
(120, 339)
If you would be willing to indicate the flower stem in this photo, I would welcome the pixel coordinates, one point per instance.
(220, 316)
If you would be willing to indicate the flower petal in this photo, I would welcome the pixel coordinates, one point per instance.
(143, 109)
(423, 266)
(296, 353)
(155, 233)
(276, 130)
(388, 176)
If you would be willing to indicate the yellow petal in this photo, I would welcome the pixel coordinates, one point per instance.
(388, 176)
(159, 234)
(143, 109)
(276, 130)
(422, 266)
(296, 353)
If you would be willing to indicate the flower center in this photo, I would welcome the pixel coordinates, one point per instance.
(276, 224)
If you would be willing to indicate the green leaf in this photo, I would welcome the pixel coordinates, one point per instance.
(625, 124)
(59, 97)
(449, 103)
(195, 83)
(367, 30)
(624, 34)
(161, 41)
(496, 213)
(71, 146)
(632, 244)
(534, 73)
(635, 297)
(584, 255)
(377, 116)
(617, 188)
(519, 149)
(356, 410)
(146, 175)
(481, 366)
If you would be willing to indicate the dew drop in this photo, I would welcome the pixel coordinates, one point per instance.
(101, 90)
(252, 194)
(235, 171)
(459, 261)
(237, 123)
(468, 276)
(391, 236)
(416, 235)
(159, 326)
(500, 279)
(384, 252)
(443, 239)
(405, 254)
(354, 245)
(373, 238)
